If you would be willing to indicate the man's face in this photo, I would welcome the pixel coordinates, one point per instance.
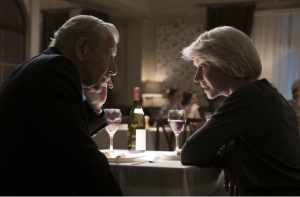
(99, 65)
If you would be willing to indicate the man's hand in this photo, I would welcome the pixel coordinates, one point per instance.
(230, 184)
(96, 100)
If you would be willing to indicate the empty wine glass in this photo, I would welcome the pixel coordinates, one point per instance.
(176, 119)
(114, 117)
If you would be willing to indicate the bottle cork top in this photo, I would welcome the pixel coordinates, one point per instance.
(136, 93)
(136, 89)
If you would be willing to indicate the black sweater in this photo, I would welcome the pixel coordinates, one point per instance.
(254, 133)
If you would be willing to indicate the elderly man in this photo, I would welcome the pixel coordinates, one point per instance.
(45, 126)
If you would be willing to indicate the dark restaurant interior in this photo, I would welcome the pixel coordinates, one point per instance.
(153, 34)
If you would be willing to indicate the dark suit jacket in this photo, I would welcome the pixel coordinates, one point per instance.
(45, 143)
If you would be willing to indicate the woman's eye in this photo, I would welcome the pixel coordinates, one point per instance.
(202, 65)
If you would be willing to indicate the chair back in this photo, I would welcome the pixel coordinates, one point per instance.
(161, 122)
(124, 120)
(194, 124)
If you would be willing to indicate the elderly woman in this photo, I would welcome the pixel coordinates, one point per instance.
(254, 133)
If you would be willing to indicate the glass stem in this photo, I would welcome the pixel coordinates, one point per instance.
(177, 141)
(111, 144)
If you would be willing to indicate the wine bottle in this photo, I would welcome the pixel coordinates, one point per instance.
(136, 135)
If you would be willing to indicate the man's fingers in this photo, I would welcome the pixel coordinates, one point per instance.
(110, 84)
(103, 89)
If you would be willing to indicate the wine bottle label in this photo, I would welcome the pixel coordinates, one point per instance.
(138, 111)
(140, 139)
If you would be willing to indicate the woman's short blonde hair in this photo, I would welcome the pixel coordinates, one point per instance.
(229, 49)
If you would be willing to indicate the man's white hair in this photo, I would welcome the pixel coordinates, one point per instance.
(90, 27)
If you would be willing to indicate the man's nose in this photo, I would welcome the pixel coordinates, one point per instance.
(113, 69)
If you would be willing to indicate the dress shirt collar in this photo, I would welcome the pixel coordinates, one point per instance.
(52, 50)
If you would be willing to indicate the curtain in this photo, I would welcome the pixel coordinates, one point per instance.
(52, 21)
(12, 36)
(97, 14)
(239, 16)
(276, 38)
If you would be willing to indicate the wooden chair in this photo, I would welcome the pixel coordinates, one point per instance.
(194, 124)
(169, 135)
(124, 119)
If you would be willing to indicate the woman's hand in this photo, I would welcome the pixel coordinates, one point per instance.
(230, 184)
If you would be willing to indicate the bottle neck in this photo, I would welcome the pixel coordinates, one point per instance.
(137, 98)
(137, 104)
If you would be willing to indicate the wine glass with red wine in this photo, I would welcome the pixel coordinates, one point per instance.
(176, 119)
(114, 117)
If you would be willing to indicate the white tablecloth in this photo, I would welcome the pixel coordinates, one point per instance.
(168, 178)
(120, 139)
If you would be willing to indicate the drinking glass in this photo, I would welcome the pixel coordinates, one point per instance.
(176, 119)
(114, 117)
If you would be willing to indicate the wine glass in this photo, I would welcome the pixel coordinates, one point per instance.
(114, 117)
(176, 119)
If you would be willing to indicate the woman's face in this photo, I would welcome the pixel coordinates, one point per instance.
(193, 99)
(212, 79)
(177, 97)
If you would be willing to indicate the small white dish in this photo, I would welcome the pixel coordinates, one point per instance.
(169, 156)
(130, 157)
